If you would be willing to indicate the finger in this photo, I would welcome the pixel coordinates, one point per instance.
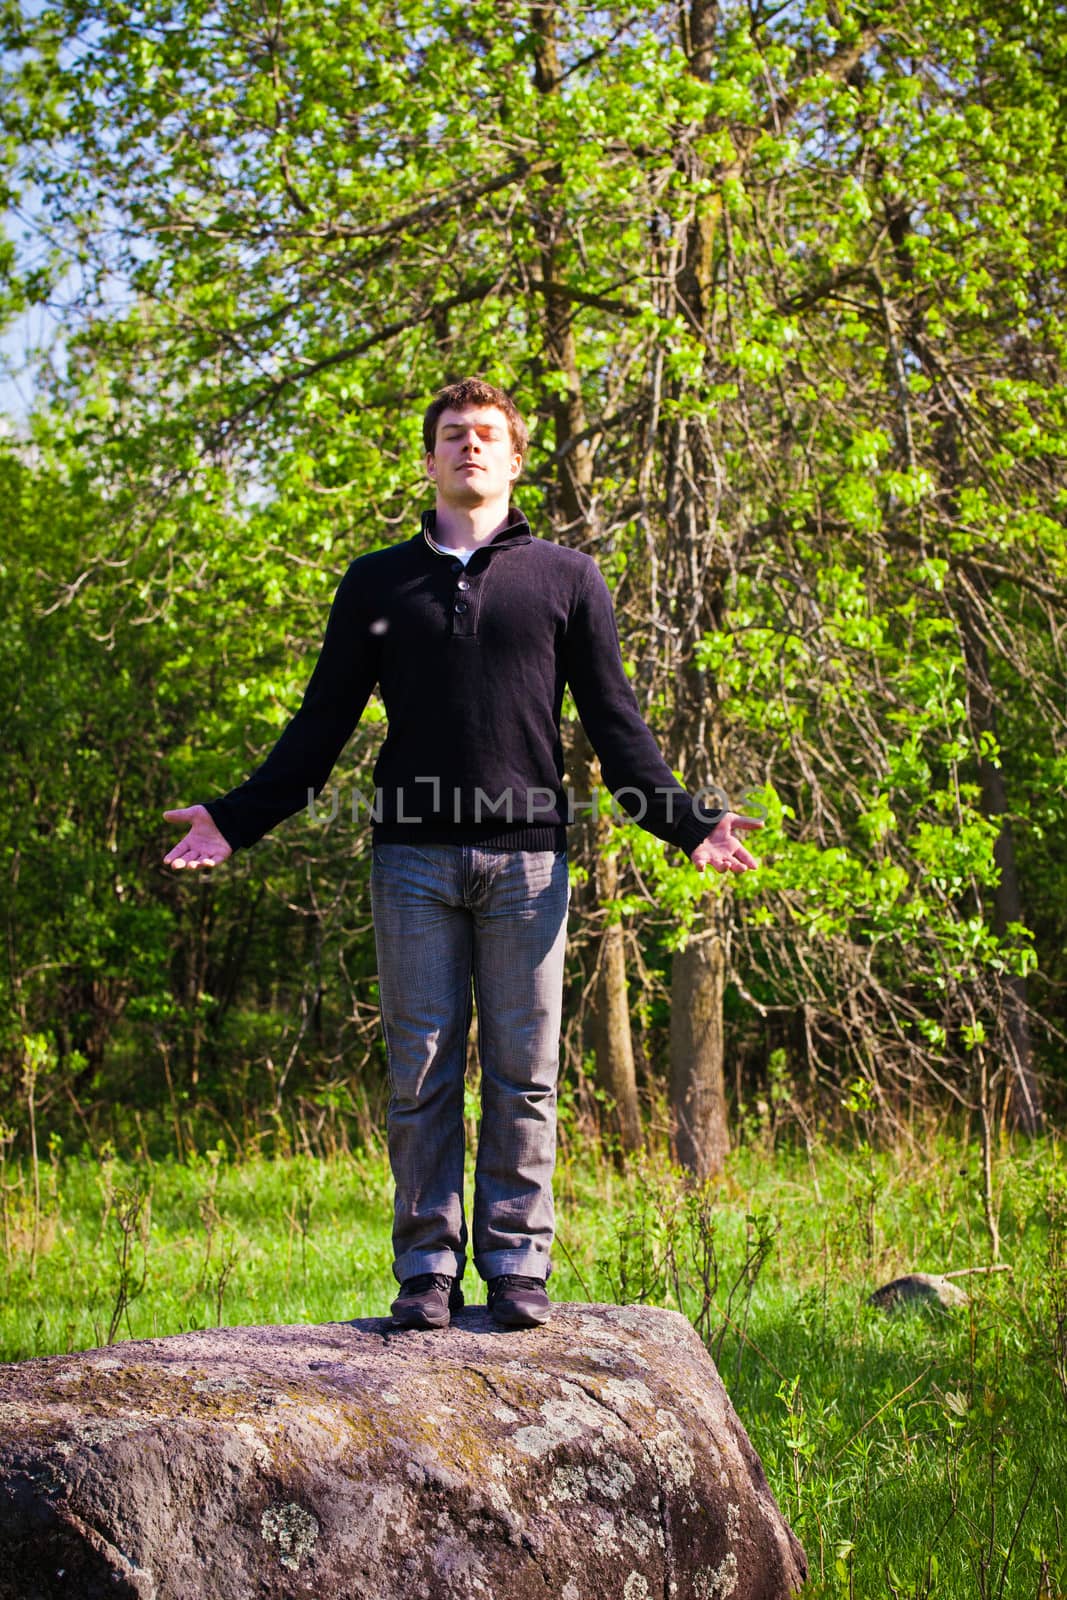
(184, 854)
(180, 814)
(737, 860)
(746, 822)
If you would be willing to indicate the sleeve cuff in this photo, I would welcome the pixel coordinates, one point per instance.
(218, 811)
(694, 828)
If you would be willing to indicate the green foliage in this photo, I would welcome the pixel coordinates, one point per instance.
(791, 299)
(125, 695)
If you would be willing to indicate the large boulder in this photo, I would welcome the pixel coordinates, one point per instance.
(598, 1458)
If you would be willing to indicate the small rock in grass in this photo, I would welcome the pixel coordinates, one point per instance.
(918, 1289)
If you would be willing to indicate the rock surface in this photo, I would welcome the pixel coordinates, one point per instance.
(597, 1458)
(918, 1289)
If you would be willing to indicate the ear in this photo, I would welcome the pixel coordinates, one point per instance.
(516, 467)
(431, 467)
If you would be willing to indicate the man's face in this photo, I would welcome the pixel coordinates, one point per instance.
(473, 459)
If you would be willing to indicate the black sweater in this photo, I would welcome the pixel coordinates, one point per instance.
(471, 665)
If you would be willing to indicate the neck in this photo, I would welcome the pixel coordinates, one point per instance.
(466, 527)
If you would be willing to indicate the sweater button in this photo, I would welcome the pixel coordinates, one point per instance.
(463, 584)
(457, 566)
(461, 606)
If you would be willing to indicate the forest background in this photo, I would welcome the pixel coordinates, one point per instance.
(779, 287)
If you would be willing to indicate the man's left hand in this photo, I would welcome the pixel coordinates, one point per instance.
(722, 849)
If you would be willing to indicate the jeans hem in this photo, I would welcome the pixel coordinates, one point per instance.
(525, 1263)
(413, 1263)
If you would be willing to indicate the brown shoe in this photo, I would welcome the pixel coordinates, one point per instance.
(427, 1301)
(517, 1302)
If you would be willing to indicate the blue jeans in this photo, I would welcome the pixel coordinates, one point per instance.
(446, 916)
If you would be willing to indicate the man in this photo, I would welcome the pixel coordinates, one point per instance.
(470, 629)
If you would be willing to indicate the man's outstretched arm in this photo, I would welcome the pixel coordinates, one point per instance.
(630, 758)
(305, 753)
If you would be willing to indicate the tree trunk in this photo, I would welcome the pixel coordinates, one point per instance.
(569, 502)
(700, 1134)
(609, 1026)
(1024, 1090)
(612, 1039)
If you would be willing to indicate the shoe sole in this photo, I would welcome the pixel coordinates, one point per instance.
(419, 1323)
(520, 1321)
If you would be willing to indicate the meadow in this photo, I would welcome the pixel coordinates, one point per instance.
(918, 1454)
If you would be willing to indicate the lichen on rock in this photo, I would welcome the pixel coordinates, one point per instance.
(294, 1530)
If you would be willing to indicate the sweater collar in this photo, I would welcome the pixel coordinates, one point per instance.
(515, 531)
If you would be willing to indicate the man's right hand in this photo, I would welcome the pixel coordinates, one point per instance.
(203, 845)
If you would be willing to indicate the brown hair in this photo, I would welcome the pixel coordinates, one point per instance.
(462, 396)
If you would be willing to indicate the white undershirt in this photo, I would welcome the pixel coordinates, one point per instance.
(458, 555)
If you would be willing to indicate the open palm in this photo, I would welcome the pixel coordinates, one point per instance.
(202, 846)
(723, 849)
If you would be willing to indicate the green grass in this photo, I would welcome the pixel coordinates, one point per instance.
(916, 1455)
